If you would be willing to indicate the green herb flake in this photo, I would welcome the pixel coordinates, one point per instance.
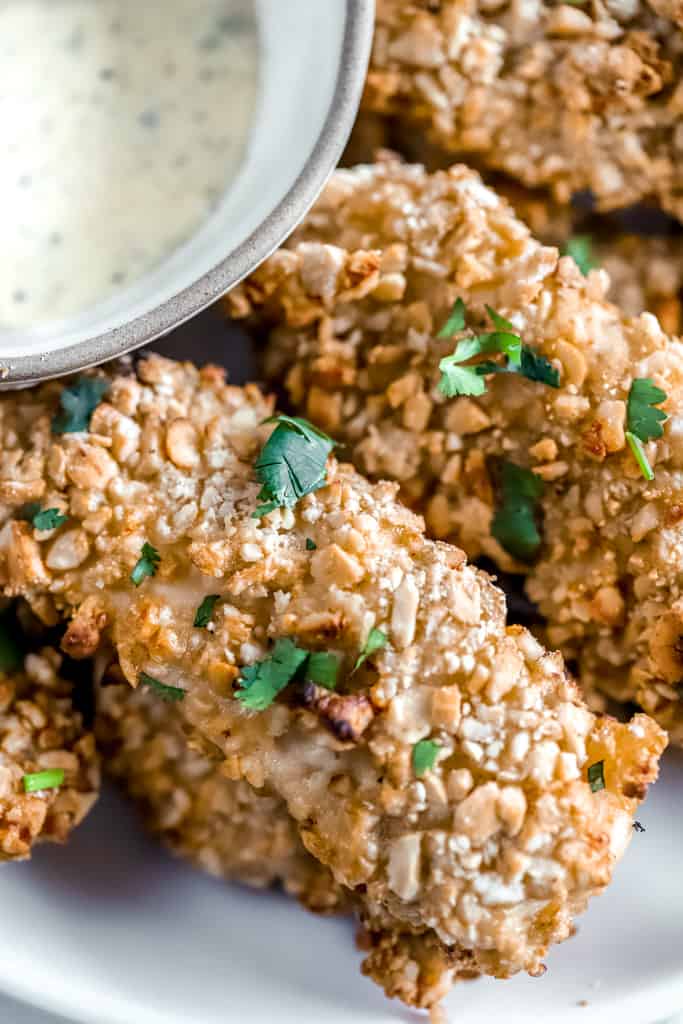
(323, 668)
(580, 247)
(311, 545)
(514, 523)
(11, 653)
(424, 756)
(171, 694)
(262, 682)
(642, 418)
(375, 642)
(536, 367)
(596, 776)
(146, 565)
(78, 403)
(205, 611)
(459, 380)
(49, 519)
(636, 446)
(292, 463)
(456, 320)
(35, 781)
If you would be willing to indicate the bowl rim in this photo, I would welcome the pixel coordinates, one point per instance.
(289, 212)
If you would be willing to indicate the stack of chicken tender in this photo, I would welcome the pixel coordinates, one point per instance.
(315, 688)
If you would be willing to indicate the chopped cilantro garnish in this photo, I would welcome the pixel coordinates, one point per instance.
(424, 756)
(514, 523)
(459, 380)
(643, 420)
(35, 781)
(49, 519)
(323, 668)
(455, 322)
(596, 776)
(261, 683)
(78, 403)
(375, 642)
(311, 545)
(642, 417)
(292, 463)
(636, 446)
(205, 610)
(466, 380)
(11, 654)
(146, 565)
(538, 368)
(170, 694)
(580, 247)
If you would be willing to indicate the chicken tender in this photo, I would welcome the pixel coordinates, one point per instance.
(437, 761)
(571, 97)
(42, 740)
(358, 300)
(225, 828)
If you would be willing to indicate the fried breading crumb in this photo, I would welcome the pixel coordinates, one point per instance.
(225, 828)
(565, 96)
(40, 731)
(494, 850)
(361, 355)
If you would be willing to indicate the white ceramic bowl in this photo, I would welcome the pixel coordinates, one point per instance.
(314, 56)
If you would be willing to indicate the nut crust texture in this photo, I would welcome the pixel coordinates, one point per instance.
(556, 95)
(495, 849)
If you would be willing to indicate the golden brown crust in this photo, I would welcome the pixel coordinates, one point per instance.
(566, 96)
(41, 731)
(223, 827)
(608, 575)
(502, 841)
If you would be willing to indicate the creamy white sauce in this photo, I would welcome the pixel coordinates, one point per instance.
(122, 124)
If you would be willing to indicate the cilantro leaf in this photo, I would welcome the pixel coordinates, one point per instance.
(636, 446)
(49, 519)
(260, 683)
(311, 545)
(171, 694)
(580, 247)
(596, 776)
(78, 402)
(514, 523)
(536, 367)
(51, 779)
(424, 756)
(459, 380)
(323, 668)
(375, 642)
(643, 419)
(11, 653)
(455, 322)
(292, 463)
(205, 611)
(146, 565)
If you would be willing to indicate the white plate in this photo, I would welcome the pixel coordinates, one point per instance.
(111, 931)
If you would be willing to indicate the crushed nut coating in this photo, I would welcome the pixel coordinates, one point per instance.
(356, 300)
(502, 842)
(39, 732)
(572, 97)
(225, 828)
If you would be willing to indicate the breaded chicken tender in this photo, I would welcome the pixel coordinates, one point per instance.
(645, 270)
(437, 761)
(572, 97)
(225, 828)
(357, 301)
(41, 732)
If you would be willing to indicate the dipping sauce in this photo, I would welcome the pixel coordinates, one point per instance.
(122, 124)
